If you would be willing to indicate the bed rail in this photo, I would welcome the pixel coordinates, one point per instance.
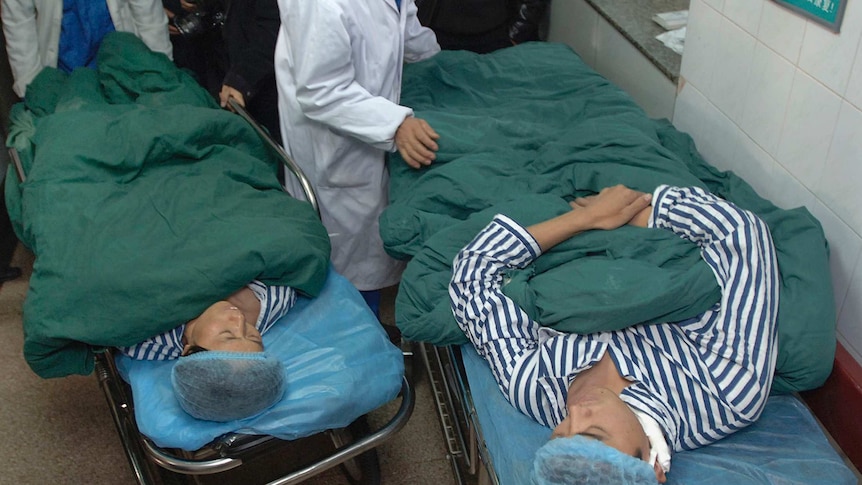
(228, 451)
(310, 195)
(459, 421)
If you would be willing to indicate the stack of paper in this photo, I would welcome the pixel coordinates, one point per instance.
(671, 20)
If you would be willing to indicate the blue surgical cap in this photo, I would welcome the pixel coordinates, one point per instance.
(578, 460)
(224, 386)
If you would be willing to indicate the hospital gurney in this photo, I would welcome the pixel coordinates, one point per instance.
(331, 344)
(523, 130)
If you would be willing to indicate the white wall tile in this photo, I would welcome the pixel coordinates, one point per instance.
(850, 315)
(844, 250)
(573, 22)
(838, 188)
(701, 43)
(785, 191)
(712, 131)
(766, 98)
(827, 56)
(812, 113)
(744, 13)
(781, 30)
(752, 163)
(853, 93)
(731, 66)
(716, 4)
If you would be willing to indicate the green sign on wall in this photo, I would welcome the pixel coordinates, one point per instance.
(826, 12)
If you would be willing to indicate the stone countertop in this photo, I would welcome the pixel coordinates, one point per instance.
(633, 19)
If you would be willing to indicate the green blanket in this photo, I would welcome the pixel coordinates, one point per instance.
(524, 130)
(144, 203)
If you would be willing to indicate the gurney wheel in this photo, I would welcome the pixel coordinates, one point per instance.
(365, 468)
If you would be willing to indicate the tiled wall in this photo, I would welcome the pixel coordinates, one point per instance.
(778, 99)
(602, 47)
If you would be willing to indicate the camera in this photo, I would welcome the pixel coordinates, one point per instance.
(208, 15)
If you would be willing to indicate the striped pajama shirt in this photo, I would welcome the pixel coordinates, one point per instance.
(275, 301)
(700, 379)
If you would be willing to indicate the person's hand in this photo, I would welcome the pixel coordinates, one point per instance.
(188, 6)
(172, 29)
(228, 92)
(609, 209)
(614, 207)
(416, 142)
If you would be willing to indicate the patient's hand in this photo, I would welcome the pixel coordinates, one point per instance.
(614, 207)
(416, 142)
(609, 209)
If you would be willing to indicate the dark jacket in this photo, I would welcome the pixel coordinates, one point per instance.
(249, 33)
(475, 17)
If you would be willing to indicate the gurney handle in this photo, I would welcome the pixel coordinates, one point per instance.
(13, 153)
(288, 162)
(200, 467)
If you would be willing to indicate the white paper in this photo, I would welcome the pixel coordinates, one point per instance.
(674, 39)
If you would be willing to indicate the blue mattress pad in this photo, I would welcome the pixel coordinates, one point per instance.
(785, 446)
(339, 366)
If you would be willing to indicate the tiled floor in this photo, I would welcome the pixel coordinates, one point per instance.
(60, 431)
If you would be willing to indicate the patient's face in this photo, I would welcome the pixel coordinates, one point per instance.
(599, 413)
(223, 327)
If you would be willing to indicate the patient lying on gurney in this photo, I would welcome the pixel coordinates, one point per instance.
(223, 373)
(620, 400)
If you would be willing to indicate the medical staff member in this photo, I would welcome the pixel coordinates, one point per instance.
(67, 33)
(646, 389)
(338, 69)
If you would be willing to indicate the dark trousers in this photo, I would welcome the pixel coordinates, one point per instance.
(8, 241)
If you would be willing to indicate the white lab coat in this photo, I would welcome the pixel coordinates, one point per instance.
(32, 31)
(338, 66)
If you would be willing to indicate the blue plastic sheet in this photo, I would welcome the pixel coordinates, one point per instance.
(339, 365)
(785, 446)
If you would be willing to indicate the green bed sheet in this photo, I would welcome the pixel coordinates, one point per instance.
(144, 203)
(526, 129)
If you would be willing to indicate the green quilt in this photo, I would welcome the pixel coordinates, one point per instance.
(144, 203)
(524, 130)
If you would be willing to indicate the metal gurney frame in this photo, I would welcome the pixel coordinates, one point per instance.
(229, 451)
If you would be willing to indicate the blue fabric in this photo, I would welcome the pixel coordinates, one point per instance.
(225, 386)
(84, 24)
(786, 445)
(372, 299)
(398, 4)
(587, 461)
(339, 365)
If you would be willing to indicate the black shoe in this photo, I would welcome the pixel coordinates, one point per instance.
(9, 274)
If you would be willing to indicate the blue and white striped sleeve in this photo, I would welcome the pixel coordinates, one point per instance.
(165, 346)
(739, 338)
(275, 302)
(497, 326)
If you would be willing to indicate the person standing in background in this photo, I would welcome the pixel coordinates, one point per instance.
(230, 46)
(338, 70)
(483, 26)
(198, 47)
(66, 33)
(250, 32)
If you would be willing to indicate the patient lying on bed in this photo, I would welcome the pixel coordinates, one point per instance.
(223, 373)
(620, 400)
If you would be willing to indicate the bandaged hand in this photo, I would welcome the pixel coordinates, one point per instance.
(416, 142)
(659, 449)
